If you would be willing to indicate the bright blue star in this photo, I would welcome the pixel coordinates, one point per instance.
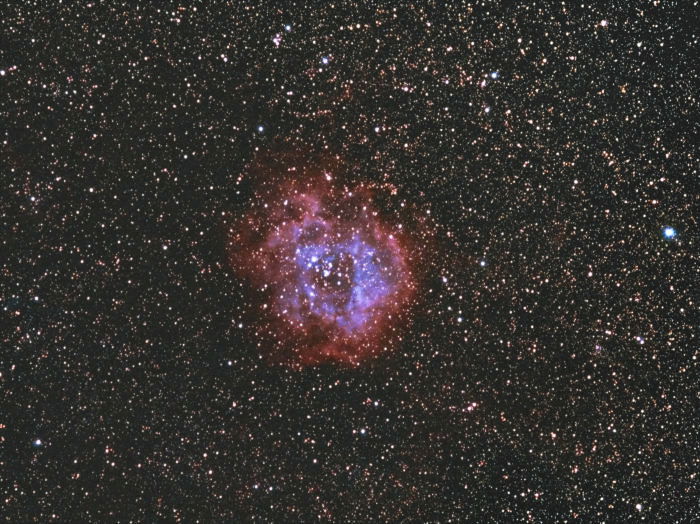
(669, 232)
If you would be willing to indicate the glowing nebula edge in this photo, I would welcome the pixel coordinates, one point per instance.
(334, 280)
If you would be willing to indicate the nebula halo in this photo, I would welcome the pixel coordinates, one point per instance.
(332, 279)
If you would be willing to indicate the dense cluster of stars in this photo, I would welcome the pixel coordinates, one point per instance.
(467, 292)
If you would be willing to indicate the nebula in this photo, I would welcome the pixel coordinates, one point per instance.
(333, 279)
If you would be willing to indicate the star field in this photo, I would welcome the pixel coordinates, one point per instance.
(510, 224)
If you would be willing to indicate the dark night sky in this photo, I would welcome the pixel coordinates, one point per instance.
(547, 367)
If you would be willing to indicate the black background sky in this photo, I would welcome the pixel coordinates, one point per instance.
(551, 372)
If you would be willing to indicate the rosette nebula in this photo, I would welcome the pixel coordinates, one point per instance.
(332, 279)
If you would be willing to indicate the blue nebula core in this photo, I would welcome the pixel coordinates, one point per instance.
(340, 280)
(669, 232)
